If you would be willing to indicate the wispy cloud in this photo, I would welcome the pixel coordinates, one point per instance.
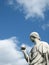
(10, 53)
(45, 26)
(32, 8)
(10, 2)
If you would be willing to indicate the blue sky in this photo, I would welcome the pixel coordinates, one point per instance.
(13, 23)
(18, 18)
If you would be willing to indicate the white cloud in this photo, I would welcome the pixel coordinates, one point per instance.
(32, 8)
(10, 53)
(45, 26)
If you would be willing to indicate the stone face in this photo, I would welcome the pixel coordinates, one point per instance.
(38, 54)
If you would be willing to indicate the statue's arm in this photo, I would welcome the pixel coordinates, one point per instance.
(45, 53)
(23, 49)
(46, 57)
(26, 55)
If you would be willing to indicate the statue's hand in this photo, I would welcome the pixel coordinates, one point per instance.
(23, 47)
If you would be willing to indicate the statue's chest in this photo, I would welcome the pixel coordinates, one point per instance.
(33, 53)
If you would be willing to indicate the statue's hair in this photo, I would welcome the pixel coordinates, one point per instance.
(35, 35)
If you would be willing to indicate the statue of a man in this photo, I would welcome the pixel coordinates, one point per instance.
(39, 54)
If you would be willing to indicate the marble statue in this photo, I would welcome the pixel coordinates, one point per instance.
(39, 54)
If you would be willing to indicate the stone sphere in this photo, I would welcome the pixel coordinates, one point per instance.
(23, 47)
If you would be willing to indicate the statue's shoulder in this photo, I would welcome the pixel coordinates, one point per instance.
(45, 46)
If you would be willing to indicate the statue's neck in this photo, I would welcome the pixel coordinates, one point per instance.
(37, 42)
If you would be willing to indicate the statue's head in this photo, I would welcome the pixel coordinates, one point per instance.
(34, 35)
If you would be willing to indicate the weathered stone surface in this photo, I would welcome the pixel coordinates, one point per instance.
(39, 54)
